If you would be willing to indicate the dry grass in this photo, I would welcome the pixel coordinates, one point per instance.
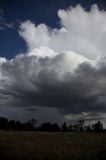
(52, 146)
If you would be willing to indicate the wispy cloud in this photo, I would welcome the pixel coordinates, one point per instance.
(4, 24)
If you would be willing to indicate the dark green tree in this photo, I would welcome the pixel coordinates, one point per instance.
(81, 124)
(97, 127)
(64, 127)
(70, 128)
(3, 123)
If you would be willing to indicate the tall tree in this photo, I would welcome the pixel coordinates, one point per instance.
(64, 127)
(97, 127)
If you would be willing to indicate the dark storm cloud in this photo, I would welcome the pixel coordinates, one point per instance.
(32, 81)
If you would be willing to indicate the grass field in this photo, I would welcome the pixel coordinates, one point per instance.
(52, 146)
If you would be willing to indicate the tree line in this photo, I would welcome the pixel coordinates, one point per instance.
(31, 125)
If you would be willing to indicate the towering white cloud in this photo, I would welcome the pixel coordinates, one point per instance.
(35, 36)
(80, 31)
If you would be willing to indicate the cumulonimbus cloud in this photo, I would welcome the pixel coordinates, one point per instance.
(63, 68)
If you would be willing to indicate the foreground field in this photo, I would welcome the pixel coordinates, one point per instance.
(52, 146)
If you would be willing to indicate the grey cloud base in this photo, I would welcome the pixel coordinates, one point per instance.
(32, 81)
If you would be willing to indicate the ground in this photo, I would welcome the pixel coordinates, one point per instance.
(52, 146)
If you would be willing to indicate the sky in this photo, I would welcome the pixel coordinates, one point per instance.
(53, 60)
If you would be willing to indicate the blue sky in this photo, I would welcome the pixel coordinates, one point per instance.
(38, 11)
